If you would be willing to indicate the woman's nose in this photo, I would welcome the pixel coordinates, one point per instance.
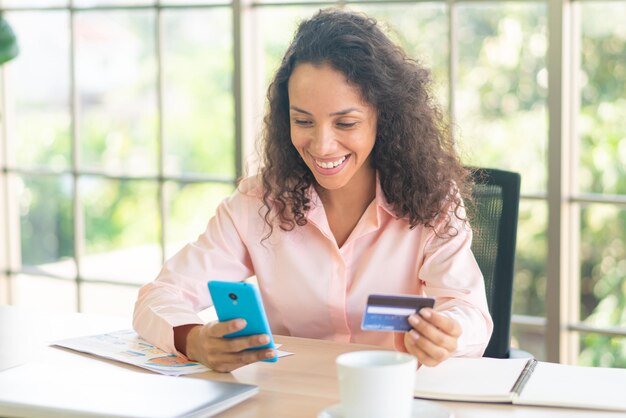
(324, 142)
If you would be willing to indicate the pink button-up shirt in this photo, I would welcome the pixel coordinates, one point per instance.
(311, 287)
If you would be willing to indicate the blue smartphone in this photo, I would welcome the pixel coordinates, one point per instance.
(234, 300)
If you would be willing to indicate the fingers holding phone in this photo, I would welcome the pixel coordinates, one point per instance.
(221, 331)
(241, 302)
(208, 345)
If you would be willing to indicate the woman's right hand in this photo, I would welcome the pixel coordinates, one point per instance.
(206, 344)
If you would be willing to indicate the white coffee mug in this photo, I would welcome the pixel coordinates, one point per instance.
(376, 384)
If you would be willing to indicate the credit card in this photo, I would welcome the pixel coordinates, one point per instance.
(391, 312)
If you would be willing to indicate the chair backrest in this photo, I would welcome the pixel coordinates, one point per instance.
(493, 216)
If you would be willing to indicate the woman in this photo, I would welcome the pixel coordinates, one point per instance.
(360, 192)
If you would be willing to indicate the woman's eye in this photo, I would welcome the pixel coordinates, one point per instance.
(345, 125)
(302, 122)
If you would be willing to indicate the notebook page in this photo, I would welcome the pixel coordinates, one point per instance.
(469, 379)
(554, 384)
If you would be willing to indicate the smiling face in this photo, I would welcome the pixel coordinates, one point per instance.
(332, 127)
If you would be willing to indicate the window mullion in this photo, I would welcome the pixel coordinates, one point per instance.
(252, 82)
(452, 62)
(161, 149)
(78, 220)
(239, 9)
(572, 257)
(559, 275)
(6, 242)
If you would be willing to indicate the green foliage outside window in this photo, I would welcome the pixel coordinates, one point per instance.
(8, 43)
(602, 130)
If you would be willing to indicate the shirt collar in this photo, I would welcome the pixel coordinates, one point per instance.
(381, 200)
(317, 215)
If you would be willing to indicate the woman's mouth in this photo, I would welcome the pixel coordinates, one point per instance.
(330, 167)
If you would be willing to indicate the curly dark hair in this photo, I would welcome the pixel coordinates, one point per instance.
(420, 172)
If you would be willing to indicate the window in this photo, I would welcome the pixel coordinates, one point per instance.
(599, 203)
(125, 122)
(120, 143)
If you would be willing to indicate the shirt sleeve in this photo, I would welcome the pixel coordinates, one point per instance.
(450, 273)
(180, 290)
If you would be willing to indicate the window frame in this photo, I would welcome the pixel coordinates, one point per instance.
(561, 325)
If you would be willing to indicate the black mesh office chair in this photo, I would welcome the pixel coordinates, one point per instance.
(493, 216)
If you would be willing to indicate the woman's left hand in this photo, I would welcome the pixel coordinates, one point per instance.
(433, 338)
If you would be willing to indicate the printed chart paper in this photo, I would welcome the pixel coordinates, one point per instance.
(128, 347)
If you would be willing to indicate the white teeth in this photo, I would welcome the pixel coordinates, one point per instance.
(331, 164)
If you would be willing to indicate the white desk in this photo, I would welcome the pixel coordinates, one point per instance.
(297, 386)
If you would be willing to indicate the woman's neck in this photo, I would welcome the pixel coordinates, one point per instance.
(357, 194)
(345, 207)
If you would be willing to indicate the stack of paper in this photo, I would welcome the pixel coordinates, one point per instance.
(128, 347)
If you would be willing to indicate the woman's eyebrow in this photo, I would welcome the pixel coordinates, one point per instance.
(297, 109)
(346, 111)
(338, 113)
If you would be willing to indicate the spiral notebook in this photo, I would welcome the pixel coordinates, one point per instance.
(44, 390)
(523, 382)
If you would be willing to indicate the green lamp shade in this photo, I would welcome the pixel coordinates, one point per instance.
(8, 43)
